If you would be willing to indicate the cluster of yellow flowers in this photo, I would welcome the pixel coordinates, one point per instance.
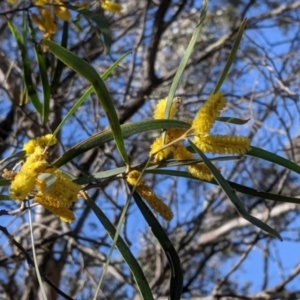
(46, 22)
(200, 129)
(51, 9)
(28, 180)
(148, 195)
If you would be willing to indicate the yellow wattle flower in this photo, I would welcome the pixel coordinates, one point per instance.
(41, 141)
(111, 6)
(62, 212)
(63, 189)
(155, 203)
(156, 146)
(222, 144)
(199, 171)
(171, 135)
(22, 185)
(48, 21)
(45, 24)
(60, 196)
(62, 13)
(208, 113)
(57, 198)
(160, 108)
(41, 2)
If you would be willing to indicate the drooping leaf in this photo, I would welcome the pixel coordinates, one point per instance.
(129, 258)
(272, 157)
(89, 73)
(87, 93)
(99, 21)
(232, 195)
(231, 56)
(176, 280)
(26, 69)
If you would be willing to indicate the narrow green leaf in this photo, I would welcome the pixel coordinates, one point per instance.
(176, 281)
(45, 83)
(89, 73)
(27, 69)
(99, 176)
(87, 93)
(60, 65)
(43, 73)
(231, 56)
(126, 130)
(232, 120)
(99, 21)
(238, 187)
(114, 65)
(5, 197)
(185, 59)
(4, 182)
(272, 157)
(10, 161)
(36, 264)
(132, 263)
(232, 195)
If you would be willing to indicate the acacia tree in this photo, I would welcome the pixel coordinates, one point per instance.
(210, 241)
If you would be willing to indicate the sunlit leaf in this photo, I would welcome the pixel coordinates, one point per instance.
(107, 136)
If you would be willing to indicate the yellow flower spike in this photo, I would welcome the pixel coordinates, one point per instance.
(63, 189)
(39, 22)
(83, 5)
(171, 135)
(65, 186)
(58, 197)
(155, 203)
(63, 213)
(22, 185)
(181, 153)
(111, 6)
(156, 146)
(208, 113)
(62, 13)
(42, 141)
(201, 172)
(46, 24)
(41, 2)
(159, 111)
(198, 170)
(49, 22)
(223, 144)
(49, 201)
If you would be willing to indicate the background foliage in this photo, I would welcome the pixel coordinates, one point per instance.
(222, 255)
